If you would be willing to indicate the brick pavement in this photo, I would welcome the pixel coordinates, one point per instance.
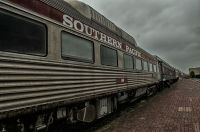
(173, 110)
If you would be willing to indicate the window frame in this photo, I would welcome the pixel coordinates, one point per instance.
(151, 67)
(133, 62)
(154, 67)
(111, 49)
(147, 65)
(29, 20)
(140, 65)
(74, 58)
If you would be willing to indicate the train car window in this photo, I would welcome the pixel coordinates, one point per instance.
(138, 64)
(145, 66)
(108, 56)
(150, 67)
(133, 62)
(155, 69)
(77, 48)
(128, 62)
(22, 35)
(163, 69)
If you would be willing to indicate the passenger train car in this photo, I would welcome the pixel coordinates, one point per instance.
(168, 74)
(65, 61)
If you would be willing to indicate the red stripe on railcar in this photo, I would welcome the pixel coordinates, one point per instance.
(41, 8)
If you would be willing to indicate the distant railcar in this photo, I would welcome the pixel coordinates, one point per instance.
(168, 74)
(64, 60)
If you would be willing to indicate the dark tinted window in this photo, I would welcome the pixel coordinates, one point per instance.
(138, 64)
(108, 56)
(74, 47)
(128, 62)
(154, 67)
(22, 35)
(145, 66)
(150, 67)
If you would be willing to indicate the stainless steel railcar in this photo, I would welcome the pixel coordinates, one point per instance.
(168, 74)
(64, 60)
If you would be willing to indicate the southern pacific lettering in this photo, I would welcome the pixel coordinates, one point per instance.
(79, 26)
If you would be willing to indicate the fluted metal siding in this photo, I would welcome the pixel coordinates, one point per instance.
(32, 83)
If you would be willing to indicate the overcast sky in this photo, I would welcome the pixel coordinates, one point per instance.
(167, 28)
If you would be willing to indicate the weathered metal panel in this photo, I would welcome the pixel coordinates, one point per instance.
(128, 38)
(81, 7)
(96, 16)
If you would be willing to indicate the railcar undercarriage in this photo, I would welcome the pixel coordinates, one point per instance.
(86, 111)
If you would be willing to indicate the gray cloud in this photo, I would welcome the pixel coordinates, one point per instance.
(169, 29)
